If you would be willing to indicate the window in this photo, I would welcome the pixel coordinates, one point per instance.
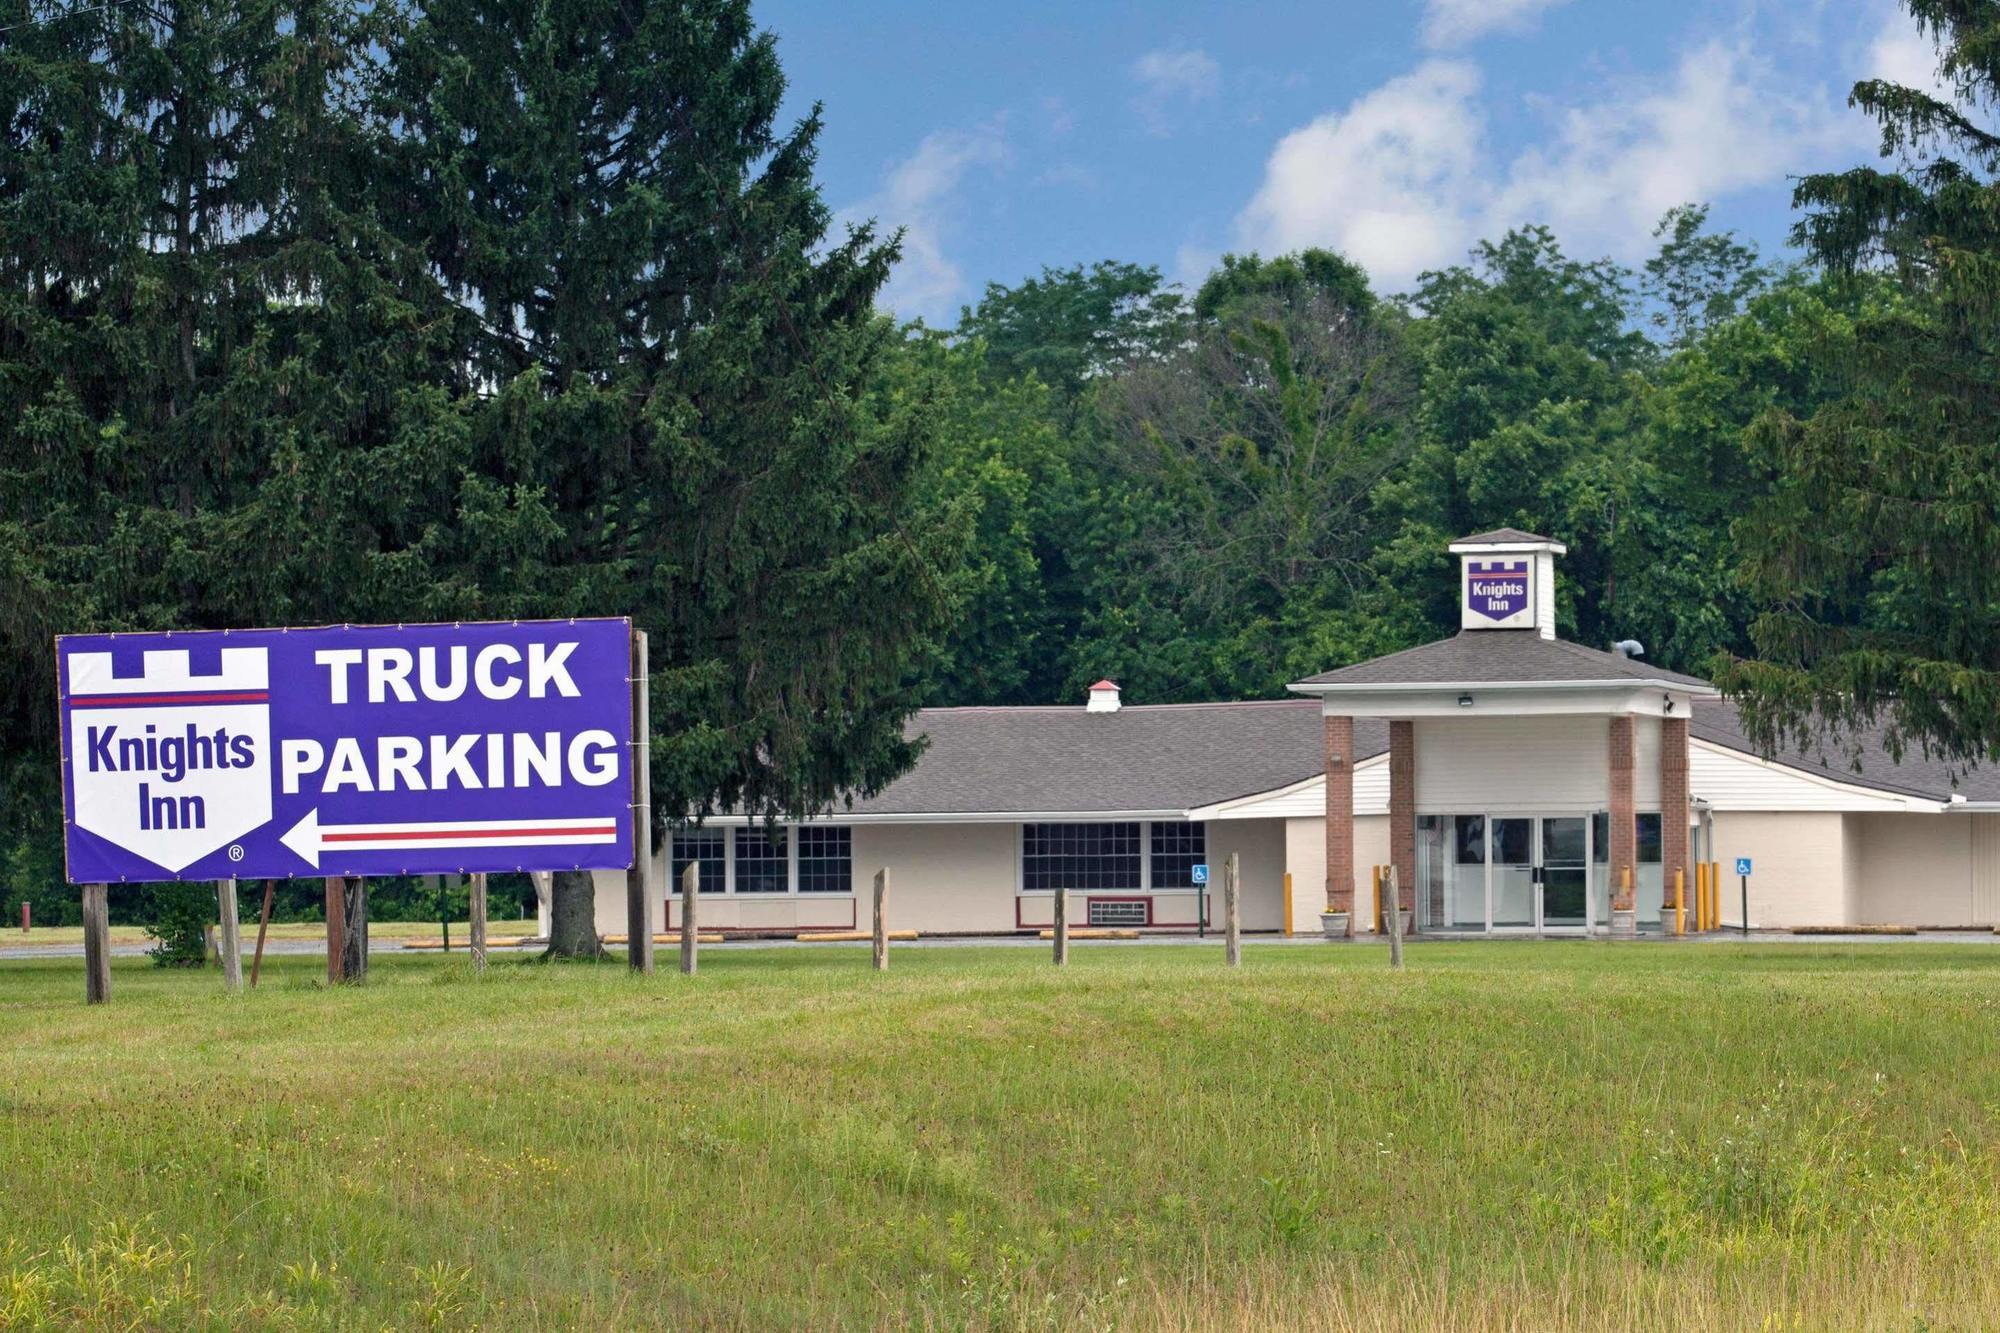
(1177, 850)
(826, 860)
(1646, 828)
(1079, 856)
(703, 847)
(1649, 839)
(760, 861)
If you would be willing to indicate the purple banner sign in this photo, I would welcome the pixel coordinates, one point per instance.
(1496, 589)
(349, 750)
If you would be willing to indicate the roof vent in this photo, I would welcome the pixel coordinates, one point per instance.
(1103, 697)
(1629, 648)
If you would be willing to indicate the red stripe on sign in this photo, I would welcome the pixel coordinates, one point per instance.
(421, 835)
(128, 700)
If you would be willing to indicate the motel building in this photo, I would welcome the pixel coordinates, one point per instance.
(1517, 783)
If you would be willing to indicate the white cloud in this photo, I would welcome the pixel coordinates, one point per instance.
(1719, 125)
(1402, 179)
(1450, 23)
(1166, 78)
(919, 194)
(1902, 53)
(1388, 182)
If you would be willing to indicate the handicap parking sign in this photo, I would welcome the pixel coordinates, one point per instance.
(1742, 865)
(1201, 874)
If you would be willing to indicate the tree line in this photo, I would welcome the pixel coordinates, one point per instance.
(356, 311)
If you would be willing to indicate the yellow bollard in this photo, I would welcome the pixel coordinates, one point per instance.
(1288, 904)
(1680, 902)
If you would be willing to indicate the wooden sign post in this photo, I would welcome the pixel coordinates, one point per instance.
(475, 906)
(336, 930)
(638, 899)
(1232, 919)
(1062, 927)
(232, 938)
(96, 945)
(263, 925)
(690, 894)
(881, 920)
(355, 961)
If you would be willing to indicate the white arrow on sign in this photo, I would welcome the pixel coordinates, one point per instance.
(311, 839)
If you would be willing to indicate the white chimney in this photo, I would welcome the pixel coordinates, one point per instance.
(1507, 580)
(1103, 697)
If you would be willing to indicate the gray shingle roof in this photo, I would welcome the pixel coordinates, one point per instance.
(1716, 721)
(1160, 757)
(1503, 656)
(1505, 535)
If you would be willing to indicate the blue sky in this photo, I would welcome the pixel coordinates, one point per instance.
(1008, 136)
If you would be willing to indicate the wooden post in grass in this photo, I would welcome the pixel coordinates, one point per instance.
(1375, 887)
(1232, 919)
(1395, 921)
(690, 893)
(881, 920)
(263, 925)
(232, 938)
(1061, 931)
(475, 907)
(96, 945)
(1288, 904)
(336, 930)
(355, 963)
(638, 880)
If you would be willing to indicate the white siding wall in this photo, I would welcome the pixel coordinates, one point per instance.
(1554, 764)
(1305, 857)
(1928, 870)
(1260, 845)
(1985, 868)
(1731, 780)
(1645, 763)
(942, 877)
(1800, 867)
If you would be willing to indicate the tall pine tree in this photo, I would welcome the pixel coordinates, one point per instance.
(1878, 549)
(678, 370)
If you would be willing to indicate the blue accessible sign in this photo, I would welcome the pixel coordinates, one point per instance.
(1742, 865)
(1199, 874)
(349, 750)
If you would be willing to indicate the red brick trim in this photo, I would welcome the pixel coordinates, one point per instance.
(1674, 851)
(1339, 759)
(1624, 827)
(1403, 811)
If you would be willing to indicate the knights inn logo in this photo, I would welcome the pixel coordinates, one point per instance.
(1496, 589)
(173, 761)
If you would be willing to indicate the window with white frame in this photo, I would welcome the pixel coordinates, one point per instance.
(1080, 856)
(826, 860)
(702, 847)
(1177, 849)
(761, 861)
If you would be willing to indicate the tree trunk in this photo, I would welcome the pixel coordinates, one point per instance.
(573, 916)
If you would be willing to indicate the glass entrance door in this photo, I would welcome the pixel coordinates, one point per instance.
(1514, 873)
(1565, 873)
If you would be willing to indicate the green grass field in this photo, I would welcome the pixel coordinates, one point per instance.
(1502, 1136)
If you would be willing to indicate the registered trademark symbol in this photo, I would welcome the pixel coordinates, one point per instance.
(236, 851)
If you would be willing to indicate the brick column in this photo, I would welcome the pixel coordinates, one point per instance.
(1624, 828)
(1403, 812)
(1339, 757)
(1674, 810)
